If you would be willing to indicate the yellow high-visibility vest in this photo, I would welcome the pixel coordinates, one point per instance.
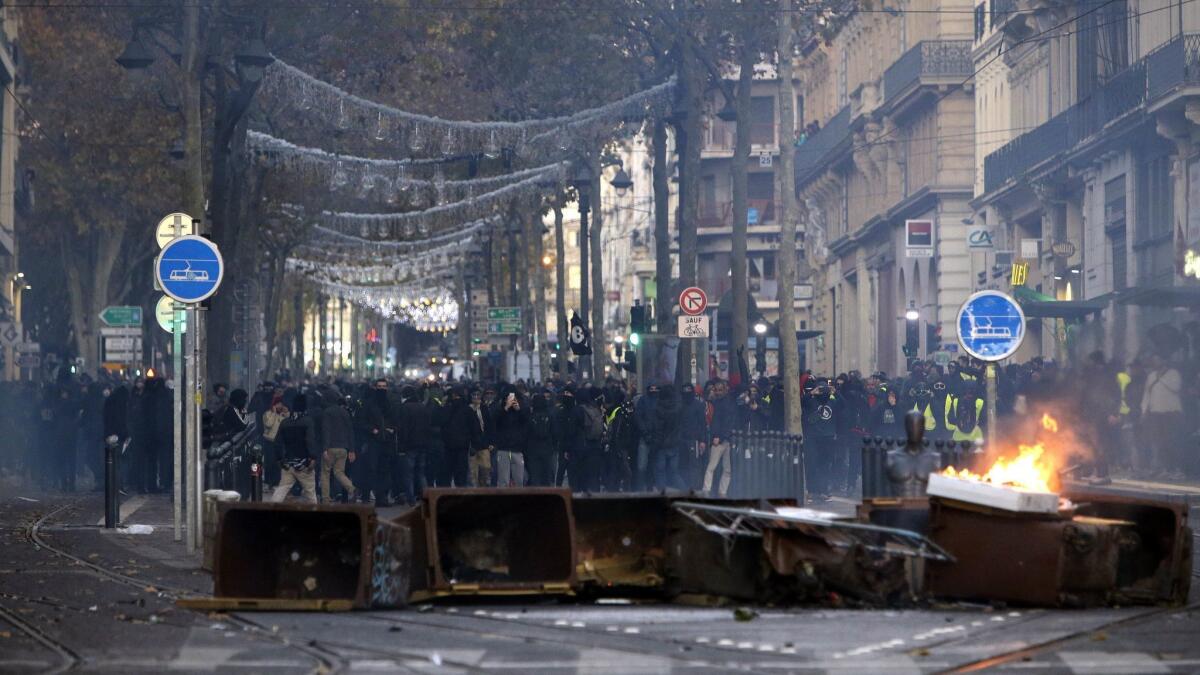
(1123, 380)
(952, 413)
(930, 421)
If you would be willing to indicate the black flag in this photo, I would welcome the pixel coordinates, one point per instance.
(581, 337)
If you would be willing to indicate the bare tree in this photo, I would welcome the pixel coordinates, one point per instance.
(789, 355)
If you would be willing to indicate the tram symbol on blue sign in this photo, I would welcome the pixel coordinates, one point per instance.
(189, 268)
(991, 326)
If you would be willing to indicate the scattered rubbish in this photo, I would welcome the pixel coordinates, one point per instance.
(310, 583)
(28, 499)
(744, 614)
(436, 658)
(137, 529)
(93, 608)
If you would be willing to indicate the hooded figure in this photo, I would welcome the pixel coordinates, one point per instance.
(540, 451)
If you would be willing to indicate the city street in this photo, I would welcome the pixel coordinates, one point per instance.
(73, 596)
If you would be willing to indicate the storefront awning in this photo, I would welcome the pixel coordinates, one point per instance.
(1041, 306)
(1161, 296)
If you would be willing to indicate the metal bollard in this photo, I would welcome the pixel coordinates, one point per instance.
(256, 480)
(112, 489)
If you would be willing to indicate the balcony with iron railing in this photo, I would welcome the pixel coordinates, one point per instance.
(721, 215)
(1173, 65)
(1124, 93)
(815, 152)
(931, 62)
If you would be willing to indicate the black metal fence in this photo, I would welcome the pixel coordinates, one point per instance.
(767, 464)
(229, 464)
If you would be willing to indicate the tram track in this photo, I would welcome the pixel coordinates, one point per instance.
(1025, 653)
(326, 662)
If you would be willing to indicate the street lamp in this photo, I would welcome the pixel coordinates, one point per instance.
(912, 314)
(760, 328)
(136, 56)
(622, 182)
(728, 112)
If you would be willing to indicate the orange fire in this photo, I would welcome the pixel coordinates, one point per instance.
(1031, 470)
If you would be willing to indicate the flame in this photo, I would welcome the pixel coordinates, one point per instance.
(1032, 470)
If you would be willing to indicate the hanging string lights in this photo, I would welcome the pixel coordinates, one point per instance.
(428, 136)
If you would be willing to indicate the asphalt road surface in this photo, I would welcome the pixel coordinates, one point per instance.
(76, 597)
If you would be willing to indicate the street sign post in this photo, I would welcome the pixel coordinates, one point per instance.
(173, 226)
(121, 315)
(693, 301)
(189, 269)
(164, 314)
(991, 327)
(693, 326)
(504, 321)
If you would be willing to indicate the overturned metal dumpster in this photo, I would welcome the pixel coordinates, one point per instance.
(301, 556)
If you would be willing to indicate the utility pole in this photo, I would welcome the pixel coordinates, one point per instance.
(789, 353)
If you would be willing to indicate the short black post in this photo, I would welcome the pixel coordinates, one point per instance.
(256, 478)
(112, 490)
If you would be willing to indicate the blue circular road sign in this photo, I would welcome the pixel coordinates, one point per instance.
(189, 268)
(991, 326)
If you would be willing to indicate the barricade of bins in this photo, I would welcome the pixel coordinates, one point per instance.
(875, 483)
(768, 465)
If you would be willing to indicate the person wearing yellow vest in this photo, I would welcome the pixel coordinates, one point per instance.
(964, 415)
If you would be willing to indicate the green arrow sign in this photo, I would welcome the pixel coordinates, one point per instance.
(126, 316)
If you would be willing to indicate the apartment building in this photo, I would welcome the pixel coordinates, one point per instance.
(892, 94)
(1090, 174)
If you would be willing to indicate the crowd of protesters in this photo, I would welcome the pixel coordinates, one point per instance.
(383, 441)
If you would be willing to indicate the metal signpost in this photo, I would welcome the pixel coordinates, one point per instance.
(124, 316)
(504, 321)
(991, 327)
(189, 269)
(693, 323)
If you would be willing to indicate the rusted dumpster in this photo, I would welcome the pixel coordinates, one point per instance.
(492, 541)
(313, 557)
(1106, 550)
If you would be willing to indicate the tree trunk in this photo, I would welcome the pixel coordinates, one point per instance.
(692, 83)
(298, 331)
(560, 290)
(741, 154)
(599, 352)
(662, 232)
(583, 365)
(271, 320)
(539, 293)
(789, 353)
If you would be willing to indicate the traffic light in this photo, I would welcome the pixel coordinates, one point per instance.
(637, 318)
(630, 363)
(634, 339)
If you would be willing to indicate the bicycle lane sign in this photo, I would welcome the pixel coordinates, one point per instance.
(189, 269)
(693, 326)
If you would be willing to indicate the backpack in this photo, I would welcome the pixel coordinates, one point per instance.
(593, 425)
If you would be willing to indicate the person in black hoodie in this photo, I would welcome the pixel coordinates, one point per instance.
(510, 434)
(887, 417)
(540, 451)
(115, 416)
(820, 408)
(568, 432)
(724, 420)
(665, 437)
(337, 445)
(461, 433)
(300, 452)
(414, 429)
(381, 429)
(693, 435)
